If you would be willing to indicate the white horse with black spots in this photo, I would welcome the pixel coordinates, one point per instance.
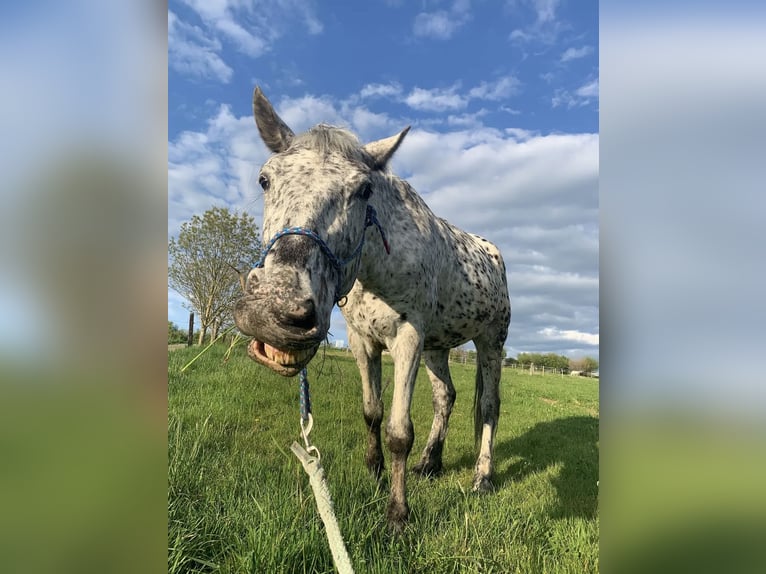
(345, 229)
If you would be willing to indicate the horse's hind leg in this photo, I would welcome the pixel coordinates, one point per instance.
(489, 364)
(368, 360)
(437, 365)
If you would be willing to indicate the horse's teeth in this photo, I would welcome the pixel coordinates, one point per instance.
(284, 357)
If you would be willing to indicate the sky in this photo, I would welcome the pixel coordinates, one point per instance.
(502, 97)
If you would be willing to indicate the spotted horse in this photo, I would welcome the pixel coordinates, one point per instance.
(344, 229)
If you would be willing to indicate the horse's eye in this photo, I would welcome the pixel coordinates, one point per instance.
(365, 191)
(264, 182)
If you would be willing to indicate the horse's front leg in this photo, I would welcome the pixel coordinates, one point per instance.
(367, 358)
(405, 348)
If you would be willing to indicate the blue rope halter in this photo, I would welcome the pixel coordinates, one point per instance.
(371, 218)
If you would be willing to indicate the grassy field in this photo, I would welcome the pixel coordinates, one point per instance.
(239, 501)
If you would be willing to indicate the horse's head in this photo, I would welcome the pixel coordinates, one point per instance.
(316, 189)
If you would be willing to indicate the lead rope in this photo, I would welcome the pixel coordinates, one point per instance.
(311, 464)
(313, 467)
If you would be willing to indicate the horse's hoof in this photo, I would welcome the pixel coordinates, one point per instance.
(397, 516)
(483, 485)
(428, 468)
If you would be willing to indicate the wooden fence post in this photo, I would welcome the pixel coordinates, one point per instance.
(190, 336)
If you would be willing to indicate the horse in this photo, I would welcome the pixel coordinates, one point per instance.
(345, 230)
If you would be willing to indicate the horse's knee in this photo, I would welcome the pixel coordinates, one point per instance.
(399, 438)
(373, 416)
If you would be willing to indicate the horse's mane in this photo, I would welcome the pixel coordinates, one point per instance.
(327, 139)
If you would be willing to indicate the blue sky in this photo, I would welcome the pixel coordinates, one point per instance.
(503, 102)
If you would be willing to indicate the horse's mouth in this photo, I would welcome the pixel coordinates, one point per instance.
(286, 363)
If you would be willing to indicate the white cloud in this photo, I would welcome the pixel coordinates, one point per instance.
(545, 27)
(475, 167)
(499, 89)
(436, 99)
(562, 97)
(547, 77)
(519, 134)
(370, 125)
(246, 42)
(191, 52)
(302, 113)
(546, 9)
(576, 53)
(570, 335)
(436, 25)
(221, 19)
(442, 24)
(251, 29)
(466, 120)
(380, 90)
(450, 99)
(582, 96)
(214, 167)
(441, 99)
(589, 90)
(519, 35)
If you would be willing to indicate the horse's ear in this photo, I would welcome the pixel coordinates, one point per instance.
(275, 133)
(382, 150)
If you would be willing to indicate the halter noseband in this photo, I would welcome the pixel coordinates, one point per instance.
(371, 218)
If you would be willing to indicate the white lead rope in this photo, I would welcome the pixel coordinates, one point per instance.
(313, 467)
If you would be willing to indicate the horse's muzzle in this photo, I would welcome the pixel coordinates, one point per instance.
(284, 324)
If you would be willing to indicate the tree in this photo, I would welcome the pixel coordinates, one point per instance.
(175, 334)
(584, 364)
(508, 361)
(549, 361)
(554, 361)
(207, 261)
(590, 364)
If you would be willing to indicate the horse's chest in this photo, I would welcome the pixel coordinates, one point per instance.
(373, 319)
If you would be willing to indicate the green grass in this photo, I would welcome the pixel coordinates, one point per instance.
(239, 501)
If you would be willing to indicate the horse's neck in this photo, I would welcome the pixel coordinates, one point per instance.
(403, 216)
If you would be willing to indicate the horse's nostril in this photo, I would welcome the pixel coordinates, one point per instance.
(251, 282)
(302, 315)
